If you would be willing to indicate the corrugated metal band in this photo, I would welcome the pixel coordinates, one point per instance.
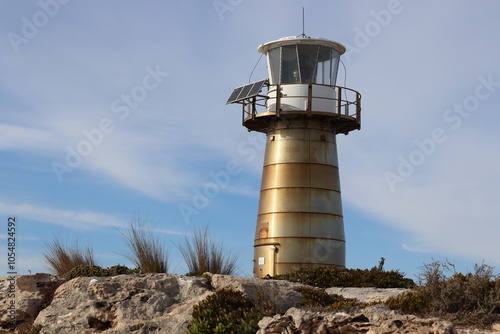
(288, 238)
(300, 212)
(300, 187)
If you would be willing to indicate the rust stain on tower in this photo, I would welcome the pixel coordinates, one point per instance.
(300, 221)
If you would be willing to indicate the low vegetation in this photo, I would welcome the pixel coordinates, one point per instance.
(410, 302)
(471, 299)
(325, 277)
(468, 299)
(61, 258)
(146, 250)
(96, 271)
(315, 297)
(202, 254)
(228, 311)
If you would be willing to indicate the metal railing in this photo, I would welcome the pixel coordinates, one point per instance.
(346, 102)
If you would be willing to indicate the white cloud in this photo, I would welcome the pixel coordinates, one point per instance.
(448, 203)
(14, 137)
(80, 220)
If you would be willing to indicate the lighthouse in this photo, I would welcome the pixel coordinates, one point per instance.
(301, 110)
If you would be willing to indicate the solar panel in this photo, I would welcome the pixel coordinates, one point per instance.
(246, 92)
(257, 87)
(234, 95)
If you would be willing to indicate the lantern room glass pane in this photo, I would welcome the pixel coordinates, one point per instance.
(289, 64)
(324, 71)
(335, 66)
(274, 65)
(308, 58)
(303, 64)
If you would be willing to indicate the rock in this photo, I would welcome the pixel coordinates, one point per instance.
(366, 295)
(32, 293)
(372, 320)
(159, 303)
(163, 303)
(281, 292)
(494, 330)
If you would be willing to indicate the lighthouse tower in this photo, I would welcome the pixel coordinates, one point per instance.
(299, 221)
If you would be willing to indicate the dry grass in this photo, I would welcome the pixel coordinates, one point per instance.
(146, 251)
(202, 254)
(62, 258)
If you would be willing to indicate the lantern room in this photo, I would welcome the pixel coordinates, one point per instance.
(302, 74)
(293, 60)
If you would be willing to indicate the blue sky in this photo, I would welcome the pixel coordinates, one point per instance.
(139, 89)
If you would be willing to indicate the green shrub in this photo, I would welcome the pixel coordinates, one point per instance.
(118, 270)
(136, 327)
(342, 303)
(325, 277)
(412, 302)
(315, 297)
(319, 298)
(134, 271)
(96, 271)
(84, 270)
(226, 311)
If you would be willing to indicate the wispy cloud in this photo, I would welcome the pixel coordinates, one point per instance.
(446, 206)
(79, 220)
(15, 137)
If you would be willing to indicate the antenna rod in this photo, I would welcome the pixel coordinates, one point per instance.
(303, 23)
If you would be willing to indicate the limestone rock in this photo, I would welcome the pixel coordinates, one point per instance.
(366, 295)
(372, 320)
(163, 303)
(32, 293)
(495, 329)
(281, 292)
(158, 303)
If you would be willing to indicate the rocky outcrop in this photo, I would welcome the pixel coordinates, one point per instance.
(159, 303)
(372, 320)
(22, 298)
(163, 303)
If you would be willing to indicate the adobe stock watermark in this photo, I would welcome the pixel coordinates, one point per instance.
(453, 117)
(325, 251)
(364, 36)
(223, 6)
(121, 107)
(221, 179)
(31, 25)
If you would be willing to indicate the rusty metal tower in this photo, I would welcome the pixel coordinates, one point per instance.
(300, 221)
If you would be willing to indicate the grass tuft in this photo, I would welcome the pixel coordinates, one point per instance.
(146, 251)
(61, 258)
(202, 254)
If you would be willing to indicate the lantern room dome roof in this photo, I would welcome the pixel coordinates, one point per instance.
(293, 40)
